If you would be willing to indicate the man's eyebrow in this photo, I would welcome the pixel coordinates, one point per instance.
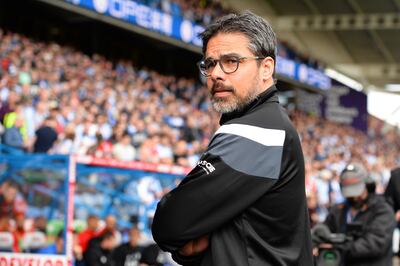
(225, 55)
(230, 54)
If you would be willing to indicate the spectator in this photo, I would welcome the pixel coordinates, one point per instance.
(46, 136)
(164, 149)
(90, 232)
(104, 148)
(66, 143)
(12, 204)
(40, 224)
(129, 254)
(99, 251)
(13, 136)
(111, 226)
(11, 104)
(123, 149)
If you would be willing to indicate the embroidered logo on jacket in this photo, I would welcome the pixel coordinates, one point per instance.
(207, 167)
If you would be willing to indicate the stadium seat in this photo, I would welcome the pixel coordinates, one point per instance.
(33, 241)
(6, 241)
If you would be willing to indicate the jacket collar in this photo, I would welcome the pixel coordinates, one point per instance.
(269, 95)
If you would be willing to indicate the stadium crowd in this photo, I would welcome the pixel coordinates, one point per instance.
(55, 99)
(58, 100)
(201, 12)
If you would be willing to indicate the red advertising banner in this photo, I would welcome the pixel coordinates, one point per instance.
(20, 259)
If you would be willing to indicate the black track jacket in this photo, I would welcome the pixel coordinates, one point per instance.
(247, 192)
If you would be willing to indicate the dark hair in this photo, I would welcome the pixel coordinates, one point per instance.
(262, 38)
(107, 234)
(13, 184)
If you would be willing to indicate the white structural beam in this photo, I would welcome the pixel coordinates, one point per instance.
(375, 37)
(372, 74)
(377, 21)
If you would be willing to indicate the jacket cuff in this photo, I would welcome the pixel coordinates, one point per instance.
(187, 260)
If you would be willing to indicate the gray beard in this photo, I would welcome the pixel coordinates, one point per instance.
(237, 104)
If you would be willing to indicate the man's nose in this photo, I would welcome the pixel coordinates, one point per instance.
(217, 73)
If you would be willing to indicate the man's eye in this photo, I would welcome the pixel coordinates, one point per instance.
(231, 60)
(209, 64)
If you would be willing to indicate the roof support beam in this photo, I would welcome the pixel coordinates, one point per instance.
(397, 4)
(377, 21)
(377, 40)
(374, 71)
(314, 9)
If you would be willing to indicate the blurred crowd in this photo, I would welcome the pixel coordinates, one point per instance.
(97, 242)
(55, 99)
(328, 147)
(58, 100)
(202, 12)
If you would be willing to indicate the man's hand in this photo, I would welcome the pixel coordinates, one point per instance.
(195, 247)
(315, 250)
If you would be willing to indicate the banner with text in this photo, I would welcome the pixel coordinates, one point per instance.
(14, 259)
(345, 105)
(302, 73)
(146, 17)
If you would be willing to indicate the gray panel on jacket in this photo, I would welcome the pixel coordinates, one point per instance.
(247, 156)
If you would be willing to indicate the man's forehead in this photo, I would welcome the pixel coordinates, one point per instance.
(227, 43)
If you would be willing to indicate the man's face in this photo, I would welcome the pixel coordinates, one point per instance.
(108, 243)
(230, 92)
(359, 201)
(10, 194)
(134, 235)
(93, 223)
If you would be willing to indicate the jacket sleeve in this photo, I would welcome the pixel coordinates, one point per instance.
(377, 237)
(391, 188)
(231, 175)
(330, 220)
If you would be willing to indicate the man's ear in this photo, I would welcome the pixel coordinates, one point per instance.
(267, 68)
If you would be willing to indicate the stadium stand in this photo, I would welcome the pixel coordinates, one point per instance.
(59, 100)
(103, 109)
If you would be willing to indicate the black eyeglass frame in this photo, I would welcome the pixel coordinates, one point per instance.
(239, 60)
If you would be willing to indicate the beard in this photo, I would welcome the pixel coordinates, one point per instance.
(356, 203)
(234, 102)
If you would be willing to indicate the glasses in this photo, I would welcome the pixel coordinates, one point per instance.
(228, 64)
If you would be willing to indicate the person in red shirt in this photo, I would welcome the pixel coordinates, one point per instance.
(19, 232)
(90, 232)
(12, 204)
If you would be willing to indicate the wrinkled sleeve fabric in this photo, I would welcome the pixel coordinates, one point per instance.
(241, 164)
(376, 241)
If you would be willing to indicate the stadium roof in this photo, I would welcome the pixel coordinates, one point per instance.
(358, 38)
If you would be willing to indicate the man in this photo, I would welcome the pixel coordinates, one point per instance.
(364, 216)
(244, 203)
(99, 250)
(392, 194)
(90, 232)
(12, 203)
(129, 253)
(46, 136)
(110, 224)
(15, 130)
